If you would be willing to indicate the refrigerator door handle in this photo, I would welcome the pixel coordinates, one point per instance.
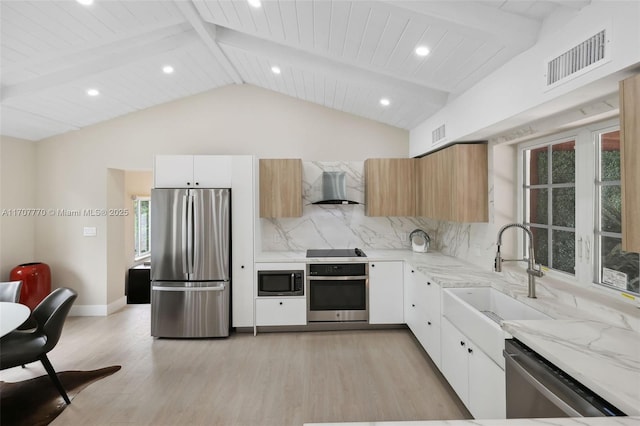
(189, 223)
(219, 287)
(185, 238)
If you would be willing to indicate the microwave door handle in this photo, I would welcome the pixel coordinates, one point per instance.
(293, 282)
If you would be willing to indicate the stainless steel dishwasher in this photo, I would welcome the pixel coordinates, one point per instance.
(538, 389)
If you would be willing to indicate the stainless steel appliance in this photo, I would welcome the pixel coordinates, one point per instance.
(337, 292)
(190, 241)
(280, 283)
(538, 389)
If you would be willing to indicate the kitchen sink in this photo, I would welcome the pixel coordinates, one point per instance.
(479, 311)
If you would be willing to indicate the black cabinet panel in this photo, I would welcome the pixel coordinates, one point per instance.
(139, 285)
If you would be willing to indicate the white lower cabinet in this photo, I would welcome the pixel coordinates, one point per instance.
(422, 311)
(385, 293)
(281, 311)
(242, 231)
(478, 381)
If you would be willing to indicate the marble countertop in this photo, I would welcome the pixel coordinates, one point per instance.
(583, 421)
(604, 358)
(593, 337)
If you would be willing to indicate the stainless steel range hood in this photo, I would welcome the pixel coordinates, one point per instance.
(334, 189)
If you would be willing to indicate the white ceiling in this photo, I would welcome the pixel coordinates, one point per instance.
(345, 55)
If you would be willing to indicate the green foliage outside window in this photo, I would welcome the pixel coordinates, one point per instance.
(551, 202)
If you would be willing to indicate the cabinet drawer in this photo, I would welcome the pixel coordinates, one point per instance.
(281, 311)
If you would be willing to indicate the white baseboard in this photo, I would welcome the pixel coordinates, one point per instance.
(97, 310)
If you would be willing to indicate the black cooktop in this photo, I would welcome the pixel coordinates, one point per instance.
(356, 252)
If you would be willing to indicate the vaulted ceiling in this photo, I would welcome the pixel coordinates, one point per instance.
(345, 55)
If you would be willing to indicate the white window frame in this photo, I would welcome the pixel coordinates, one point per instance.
(147, 253)
(586, 202)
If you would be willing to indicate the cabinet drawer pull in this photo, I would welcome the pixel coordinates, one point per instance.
(461, 343)
(428, 322)
(281, 303)
(428, 282)
(470, 350)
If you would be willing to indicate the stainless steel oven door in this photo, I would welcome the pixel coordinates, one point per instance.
(337, 299)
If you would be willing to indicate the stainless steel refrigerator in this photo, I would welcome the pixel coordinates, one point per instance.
(190, 239)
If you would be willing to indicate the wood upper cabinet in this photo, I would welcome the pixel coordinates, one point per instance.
(453, 184)
(280, 188)
(390, 187)
(630, 161)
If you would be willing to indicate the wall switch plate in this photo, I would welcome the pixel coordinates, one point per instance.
(89, 231)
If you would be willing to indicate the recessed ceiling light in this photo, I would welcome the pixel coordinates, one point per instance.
(255, 3)
(85, 2)
(422, 50)
(93, 92)
(275, 69)
(167, 69)
(385, 102)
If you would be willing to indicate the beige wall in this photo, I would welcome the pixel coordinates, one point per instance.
(116, 261)
(17, 191)
(73, 168)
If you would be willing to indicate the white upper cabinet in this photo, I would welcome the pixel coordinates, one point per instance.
(193, 171)
(173, 171)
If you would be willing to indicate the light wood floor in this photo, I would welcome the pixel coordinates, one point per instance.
(271, 379)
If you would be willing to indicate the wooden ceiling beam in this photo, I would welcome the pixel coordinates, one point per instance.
(304, 60)
(102, 59)
(207, 33)
(475, 20)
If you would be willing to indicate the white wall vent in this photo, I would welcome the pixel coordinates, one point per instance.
(437, 135)
(586, 55)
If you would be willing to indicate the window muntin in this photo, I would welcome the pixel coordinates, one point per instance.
(549, 199)
(142, 228)
(613, 267)
(589, 180)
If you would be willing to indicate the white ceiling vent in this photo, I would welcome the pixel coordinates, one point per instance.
(437, 135)
(587, 55)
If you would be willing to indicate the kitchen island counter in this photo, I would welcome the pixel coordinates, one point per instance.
(582, 421)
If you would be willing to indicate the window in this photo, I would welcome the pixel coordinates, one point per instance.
(550, 195)
(142, 228)
(571, 198)
(613, 267)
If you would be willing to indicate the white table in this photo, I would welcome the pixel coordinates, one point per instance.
(12, 315)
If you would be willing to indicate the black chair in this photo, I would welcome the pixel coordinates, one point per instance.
(10, 291)
(20, 347)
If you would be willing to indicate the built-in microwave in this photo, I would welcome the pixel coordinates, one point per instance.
(280, 283)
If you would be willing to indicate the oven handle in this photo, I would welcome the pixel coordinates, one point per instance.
(545, 376)
(341, 278)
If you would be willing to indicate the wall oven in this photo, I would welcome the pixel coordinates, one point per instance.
(280, 283)
(337, 292)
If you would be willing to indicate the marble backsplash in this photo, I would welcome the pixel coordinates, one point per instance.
(346, 226)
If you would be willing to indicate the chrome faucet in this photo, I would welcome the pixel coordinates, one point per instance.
(531, 268)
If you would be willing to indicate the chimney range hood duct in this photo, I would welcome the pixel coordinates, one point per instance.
(334, 189)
